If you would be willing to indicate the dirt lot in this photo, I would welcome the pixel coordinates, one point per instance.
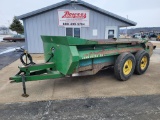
(92, 97)
(102, 84)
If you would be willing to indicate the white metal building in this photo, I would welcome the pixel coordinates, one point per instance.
(70, 18)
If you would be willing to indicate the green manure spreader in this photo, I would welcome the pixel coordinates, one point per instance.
(68, 57)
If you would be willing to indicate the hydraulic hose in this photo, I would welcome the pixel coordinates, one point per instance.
(28, 57)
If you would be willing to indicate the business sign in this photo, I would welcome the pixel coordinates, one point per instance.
(73, 18)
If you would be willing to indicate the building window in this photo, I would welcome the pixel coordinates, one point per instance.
(74, 32)
(110, 33)
(77, 32)
(69, 31)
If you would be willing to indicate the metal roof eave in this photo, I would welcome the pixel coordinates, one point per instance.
(132, 23)
(43, 10)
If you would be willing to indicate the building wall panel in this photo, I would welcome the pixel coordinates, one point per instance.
(47, 24)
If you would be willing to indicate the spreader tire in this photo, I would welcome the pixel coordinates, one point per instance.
(124, 66)
(142, 62)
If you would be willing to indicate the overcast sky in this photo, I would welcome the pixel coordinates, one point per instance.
(145, 12)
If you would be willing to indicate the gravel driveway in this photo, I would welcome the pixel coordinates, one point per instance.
(118, 108)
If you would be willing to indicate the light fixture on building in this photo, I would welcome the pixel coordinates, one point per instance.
(75, 0)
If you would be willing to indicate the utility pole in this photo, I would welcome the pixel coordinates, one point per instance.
(8, 26)
(127, 29)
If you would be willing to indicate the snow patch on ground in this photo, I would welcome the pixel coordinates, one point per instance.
(10, 49)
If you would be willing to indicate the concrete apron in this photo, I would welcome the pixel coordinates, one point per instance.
(102, 84)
